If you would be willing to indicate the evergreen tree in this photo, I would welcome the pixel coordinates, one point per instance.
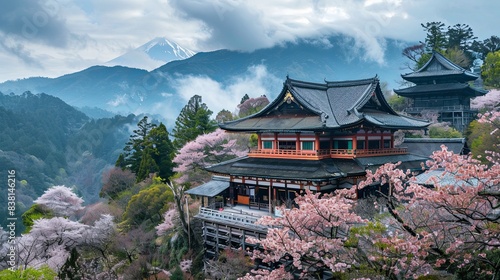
(149, 150)
(135, 146)
(436, 36)
(163, 150)
(193, 120)
(460, 36)
(244, 98)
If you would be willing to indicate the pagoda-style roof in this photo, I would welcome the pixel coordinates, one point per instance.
(305, 106)
(456, 88)
(425, 146)
(310, 170)
(439, 69)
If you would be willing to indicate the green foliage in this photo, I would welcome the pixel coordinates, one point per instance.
(148, 206)
(457, 43)
(162, 150)
(444, 132)
(136, 145)
(116, 181)
(71, 268)
(34, 213)
(224, 116)
(398, 103)
(488, 45)
(460, 36)
(480, 140)
(244, 98)
(193, 120)
(435, 39)
(423, 60)
(149, 150)
(29, 273)
(369, 228)
(458, 57)
(177, 274)
(491, 70)
(254, 140)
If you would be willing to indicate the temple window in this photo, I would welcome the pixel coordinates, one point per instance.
(373, 144)
(286, 145)
(360, 144)
(307, 145)
(342, 144)
(387, 143)
(267, 144)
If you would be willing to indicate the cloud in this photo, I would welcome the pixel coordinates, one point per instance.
(255, 82)
(12, 47)
(34, 21)
(70, 35)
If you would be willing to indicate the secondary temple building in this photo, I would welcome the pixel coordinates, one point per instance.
(443, 87)
(317, 136)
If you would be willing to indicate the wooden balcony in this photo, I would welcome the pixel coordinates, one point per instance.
(322, 154)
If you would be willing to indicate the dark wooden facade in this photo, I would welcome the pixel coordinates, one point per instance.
(443, 87)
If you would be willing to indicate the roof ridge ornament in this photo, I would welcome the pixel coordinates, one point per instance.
(288, 97)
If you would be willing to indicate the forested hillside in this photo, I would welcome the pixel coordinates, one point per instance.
(48, 142)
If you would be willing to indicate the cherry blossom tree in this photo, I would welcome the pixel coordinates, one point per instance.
(443, 222)
(310, 239)
(487, 101)
(169, 222)
(61, 200)
(205, 150)
(49, 242)
(4, 248)
(452, 217)
(252, 105)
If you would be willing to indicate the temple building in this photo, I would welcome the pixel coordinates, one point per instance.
(443, 87)
(317, 136)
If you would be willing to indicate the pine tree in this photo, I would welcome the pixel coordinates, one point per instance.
(436, 36)
(193, 120)
(163, 150)
(134, 148)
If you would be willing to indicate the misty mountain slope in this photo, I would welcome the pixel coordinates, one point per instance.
(128, 90)
(48, 142)
(339, 61)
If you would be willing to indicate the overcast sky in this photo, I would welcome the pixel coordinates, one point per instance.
(55, 37)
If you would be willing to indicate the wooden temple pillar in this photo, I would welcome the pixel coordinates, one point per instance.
(316, 141)
(297, 141)
(259, 141)
(276, 144)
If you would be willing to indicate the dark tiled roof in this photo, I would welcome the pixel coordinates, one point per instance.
(439, 67)
(388, 121)
(408, 161)
(311, 170)
(331, 105)
(292, 169)
(432, 89)
(442, 177)
(425, 146)
(210, 189)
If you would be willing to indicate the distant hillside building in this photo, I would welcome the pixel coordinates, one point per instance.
(317, 136)
(443, 87)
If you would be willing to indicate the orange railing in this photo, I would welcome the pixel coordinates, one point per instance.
(326, 153)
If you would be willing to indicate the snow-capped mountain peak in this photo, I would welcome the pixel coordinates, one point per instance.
(153, 54)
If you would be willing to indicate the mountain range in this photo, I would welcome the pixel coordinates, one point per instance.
(124, 90)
